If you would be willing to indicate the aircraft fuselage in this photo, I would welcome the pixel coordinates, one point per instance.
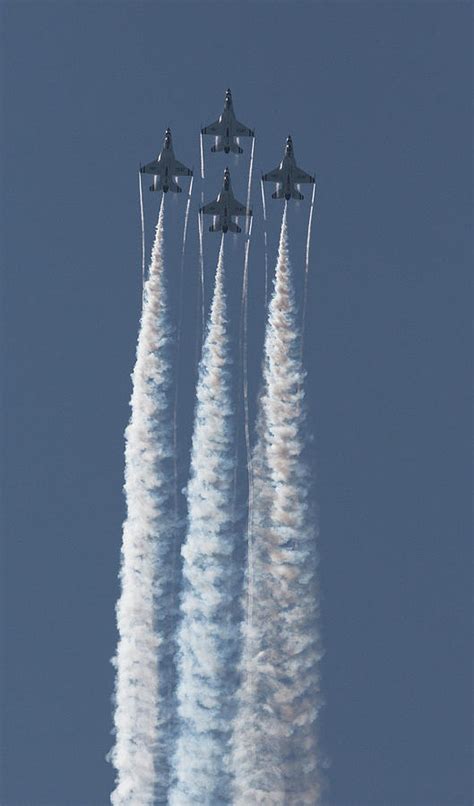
(288, 166)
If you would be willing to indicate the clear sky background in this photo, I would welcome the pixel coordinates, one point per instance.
(377, 97)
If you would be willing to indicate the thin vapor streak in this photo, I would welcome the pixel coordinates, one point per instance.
(201, 275)
(249, 185)
(265, 239)
(275, 756)
(201, 144)
(186, 218)
(178, 344)
(209, 633)
(306, 267)
(142, 221)
(245, 390)
(146, 610)
(200, 301)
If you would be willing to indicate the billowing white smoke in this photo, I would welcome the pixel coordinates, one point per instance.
(147, 608)
(275, 745)
(209, 631)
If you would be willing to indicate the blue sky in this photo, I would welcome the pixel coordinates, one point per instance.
(377, 97)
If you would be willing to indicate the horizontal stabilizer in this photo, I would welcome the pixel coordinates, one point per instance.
(279, 193)
(174, 187)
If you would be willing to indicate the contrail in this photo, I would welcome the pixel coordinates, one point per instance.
(244, 354)
(178, 343)
(209, 632)
(200, 299)
(186, 217)
(243, 373)
(265, 237)
(249, 184)
(306, 268)
(147, 610)
(202, 154)
(142, 220)
(275, 744)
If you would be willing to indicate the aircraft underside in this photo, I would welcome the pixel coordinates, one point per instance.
(226, 144)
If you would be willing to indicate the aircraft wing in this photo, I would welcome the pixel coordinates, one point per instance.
(242, 131)
(151, 168)
(213, 128)
(180, 170)
(240, 209)
(300, 177)
(213, 208)
(273, 176)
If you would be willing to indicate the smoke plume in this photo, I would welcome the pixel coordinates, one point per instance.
(147, 608)
(275, 743)
(209, 631)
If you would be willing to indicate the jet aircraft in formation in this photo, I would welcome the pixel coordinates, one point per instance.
(165, 168)
(287, 175)
(227, 129)
(225, 208)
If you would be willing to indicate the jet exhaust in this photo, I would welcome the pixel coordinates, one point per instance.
(275, 744)
(147, 608)
(208, 636)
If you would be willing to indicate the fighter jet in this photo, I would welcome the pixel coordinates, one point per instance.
(225, 208)
(165, 168)
(287, 175)
(227, 129)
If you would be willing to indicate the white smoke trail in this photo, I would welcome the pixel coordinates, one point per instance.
(209, 632)
(249, 185)
(265, 238)
(275, 745)
(306, 268)
(146, 610)
(142, 220)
